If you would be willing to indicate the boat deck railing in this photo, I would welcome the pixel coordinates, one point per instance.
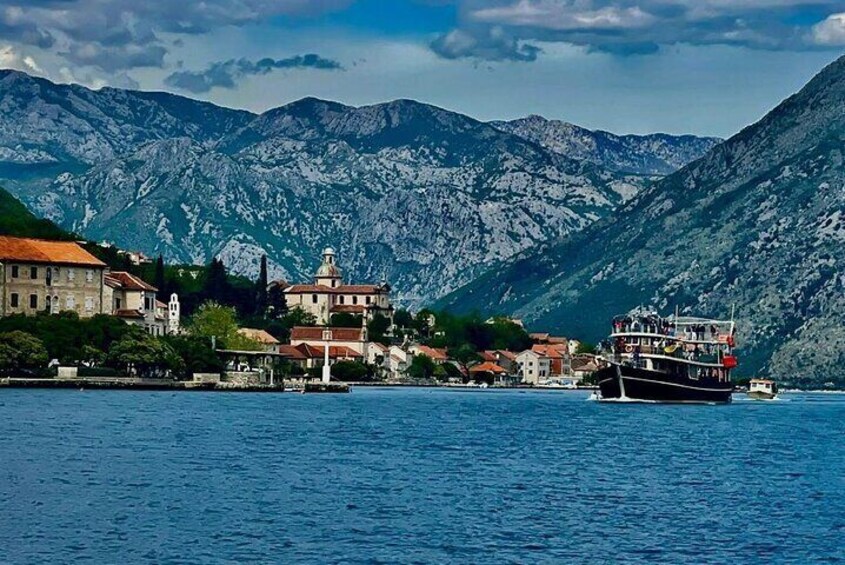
(700, 339)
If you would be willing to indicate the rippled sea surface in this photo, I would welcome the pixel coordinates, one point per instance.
(417, 475)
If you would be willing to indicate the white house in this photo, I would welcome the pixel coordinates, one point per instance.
(533, 366)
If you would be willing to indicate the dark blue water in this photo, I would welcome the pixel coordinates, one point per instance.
(417, 475)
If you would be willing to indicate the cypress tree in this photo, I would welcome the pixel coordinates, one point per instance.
(261, 289)
(159, 282)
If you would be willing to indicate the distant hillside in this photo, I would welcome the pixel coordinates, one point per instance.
(16, 220)
(654, 154)
(426, 198)
(758, 223)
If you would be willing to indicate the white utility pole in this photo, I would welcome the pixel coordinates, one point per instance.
(327, 371)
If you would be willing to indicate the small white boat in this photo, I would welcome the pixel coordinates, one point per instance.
(762, 389)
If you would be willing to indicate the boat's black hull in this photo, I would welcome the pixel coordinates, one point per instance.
(646, 385)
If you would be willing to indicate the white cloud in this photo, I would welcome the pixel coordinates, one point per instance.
(554, 15)
(11, 58)
(831, 31)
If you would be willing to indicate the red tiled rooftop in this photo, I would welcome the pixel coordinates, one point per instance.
(27, 250)
(128, 281)
(301, 333)
(487, 367)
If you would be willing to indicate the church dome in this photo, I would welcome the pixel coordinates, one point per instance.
(326, 270)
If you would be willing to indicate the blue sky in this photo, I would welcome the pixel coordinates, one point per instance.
(681, 66)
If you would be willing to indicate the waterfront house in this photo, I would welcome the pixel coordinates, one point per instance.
(50, 276)
(533, 366)
(329, 295)
(310, 356)
(134, 301)
(267, 341)
(438, 355)
(353, 338)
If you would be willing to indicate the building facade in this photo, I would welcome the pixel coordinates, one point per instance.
(50, 276)
(329, 295)
(135, 302)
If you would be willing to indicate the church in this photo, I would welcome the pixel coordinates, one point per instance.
(329, 295)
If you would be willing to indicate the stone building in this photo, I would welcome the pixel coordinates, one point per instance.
(50, 276)
(135, 302)
(329, 295)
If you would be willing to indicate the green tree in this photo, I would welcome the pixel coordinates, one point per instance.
(377, 329)
(196, 354)
(350, 371)
(466, 356)
(159, 281)
(92, 356)
(20, 350)
(145, 356)
(276, 304)
(218, 323)
(585, 348)
(346, 320)
(261, 297)
(216, 286)
(421, 367)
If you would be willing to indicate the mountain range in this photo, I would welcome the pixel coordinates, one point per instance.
(425, 198)
(755, 227)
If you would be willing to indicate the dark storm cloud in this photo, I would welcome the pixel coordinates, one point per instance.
(226, 74)
(498, 29)
(117, 35)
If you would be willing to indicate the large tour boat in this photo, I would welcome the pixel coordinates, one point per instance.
(672, 359)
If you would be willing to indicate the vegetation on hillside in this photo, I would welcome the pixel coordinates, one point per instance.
(16, 220)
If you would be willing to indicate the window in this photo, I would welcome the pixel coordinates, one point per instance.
(49, 276)
(354, 300)
(117, 303)
(70, 302)
(368, 300)
(71, 274)
(89, 275)
(33, 301)
(89, 304)
(334, 282)
(314, 298)
(14, 300)
(33, 273)
(342, 299)
(15, 271)
(148, 303)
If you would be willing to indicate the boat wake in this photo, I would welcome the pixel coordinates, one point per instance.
(626, 400)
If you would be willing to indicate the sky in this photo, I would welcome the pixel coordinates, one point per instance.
(706, 67)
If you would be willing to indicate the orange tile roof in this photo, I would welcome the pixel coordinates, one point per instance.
(551, 351)
(433, 353)
(487, 368)
(308, 351)
(489, 356)
(301, 333)
(27, 250)
(261, 336)
(343, 289)
(129, 314)
(349, 308)
(129, 281)
(292, 352)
